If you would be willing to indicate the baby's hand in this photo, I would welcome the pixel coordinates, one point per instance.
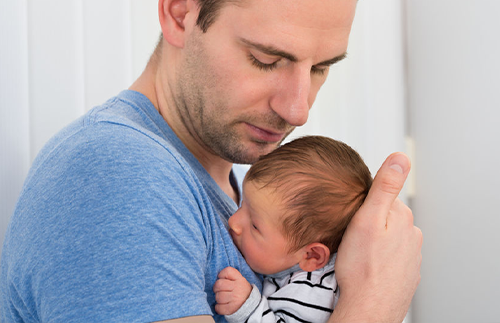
(231, 291)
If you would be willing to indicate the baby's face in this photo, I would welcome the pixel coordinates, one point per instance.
(254, 229)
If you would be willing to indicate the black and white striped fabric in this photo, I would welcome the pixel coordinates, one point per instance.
(292, 296)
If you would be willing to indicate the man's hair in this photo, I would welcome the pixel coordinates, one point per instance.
(322, 182)
(209, 9)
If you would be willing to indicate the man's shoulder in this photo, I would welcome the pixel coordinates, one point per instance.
(117, 132)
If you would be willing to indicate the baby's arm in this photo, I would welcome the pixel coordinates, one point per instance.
(239, 301)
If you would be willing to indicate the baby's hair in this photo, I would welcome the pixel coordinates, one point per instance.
(322, 182)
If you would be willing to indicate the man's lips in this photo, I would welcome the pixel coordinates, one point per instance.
(265, 135)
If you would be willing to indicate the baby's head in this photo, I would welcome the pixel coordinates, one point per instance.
(297, 203)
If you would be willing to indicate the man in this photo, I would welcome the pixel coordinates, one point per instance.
(124, 213)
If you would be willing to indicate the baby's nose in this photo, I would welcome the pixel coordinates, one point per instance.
(233, 225)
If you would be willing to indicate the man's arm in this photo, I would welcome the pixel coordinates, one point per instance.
(378, 261)
(191, 319)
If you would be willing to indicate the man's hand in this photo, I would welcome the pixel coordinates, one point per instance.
(231, 291)
(378, 261)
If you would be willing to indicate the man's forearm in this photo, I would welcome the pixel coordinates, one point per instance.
(191, 319)
(366, 311)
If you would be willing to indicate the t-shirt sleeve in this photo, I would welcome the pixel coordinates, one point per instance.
(122, 236)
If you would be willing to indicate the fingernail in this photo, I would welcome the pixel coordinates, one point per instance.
(399, 162)
(397, 168)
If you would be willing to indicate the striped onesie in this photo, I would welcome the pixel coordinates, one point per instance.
(292, 295)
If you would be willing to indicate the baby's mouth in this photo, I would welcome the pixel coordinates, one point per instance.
(235, 241)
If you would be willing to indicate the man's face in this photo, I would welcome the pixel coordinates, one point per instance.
(246, 83)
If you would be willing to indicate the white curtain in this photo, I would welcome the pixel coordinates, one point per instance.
(58, 59)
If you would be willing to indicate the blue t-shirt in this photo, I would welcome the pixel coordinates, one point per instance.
(117, 222)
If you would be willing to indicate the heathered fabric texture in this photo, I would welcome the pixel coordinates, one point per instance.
(117, 222)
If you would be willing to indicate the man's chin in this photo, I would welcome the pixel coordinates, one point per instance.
(245, 151)
(253, 154)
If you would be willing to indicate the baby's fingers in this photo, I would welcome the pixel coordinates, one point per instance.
(230, 273)
(223, 285)
(223, 297)
(223, 309)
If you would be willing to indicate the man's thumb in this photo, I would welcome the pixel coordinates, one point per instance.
(388, 183)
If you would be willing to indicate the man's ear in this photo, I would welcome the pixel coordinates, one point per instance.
(174, 16)
(315, 256)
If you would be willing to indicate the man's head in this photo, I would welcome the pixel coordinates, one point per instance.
(209, 9)
(310, 188)
(239, 76)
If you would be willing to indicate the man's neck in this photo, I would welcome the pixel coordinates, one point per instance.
(150, 83)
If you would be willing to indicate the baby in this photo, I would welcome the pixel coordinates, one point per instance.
(297, 202)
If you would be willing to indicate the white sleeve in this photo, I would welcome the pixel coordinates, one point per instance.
(254, 310)
(250, 306)
(304, 297)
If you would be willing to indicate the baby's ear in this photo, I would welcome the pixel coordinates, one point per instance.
(315, 256)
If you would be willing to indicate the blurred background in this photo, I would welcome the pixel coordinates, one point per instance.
(422, 76)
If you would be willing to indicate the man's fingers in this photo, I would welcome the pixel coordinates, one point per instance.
(387, 184)
(400, 216)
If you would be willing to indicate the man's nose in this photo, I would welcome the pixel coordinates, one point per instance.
(291, 99)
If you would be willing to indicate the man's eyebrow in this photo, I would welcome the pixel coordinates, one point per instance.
(270, 50)
(333, 60)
